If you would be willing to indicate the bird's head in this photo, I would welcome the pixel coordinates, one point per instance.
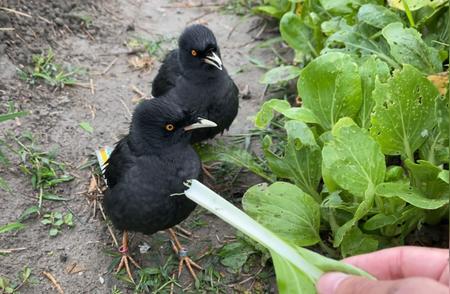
(199, 50)
(162, 123)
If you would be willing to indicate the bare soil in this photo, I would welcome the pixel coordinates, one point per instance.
(91, 35)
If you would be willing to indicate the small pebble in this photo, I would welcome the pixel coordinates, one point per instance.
(59, 21)
(144, 248)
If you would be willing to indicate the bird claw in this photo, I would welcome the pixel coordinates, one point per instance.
(182, 253)
(124, 263)
(189, 264)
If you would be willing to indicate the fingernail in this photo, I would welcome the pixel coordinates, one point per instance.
(328, 283)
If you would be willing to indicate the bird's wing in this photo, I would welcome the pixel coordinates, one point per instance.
(120, 160)
(231, 105)
(222, 111)
(167, 75)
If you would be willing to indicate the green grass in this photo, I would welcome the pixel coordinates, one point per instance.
(9, 286)
(45, 173)
(56, 221)
(47, 70)
(240, 7)
(151, 47)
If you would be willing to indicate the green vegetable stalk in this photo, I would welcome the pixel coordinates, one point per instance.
(297, 269)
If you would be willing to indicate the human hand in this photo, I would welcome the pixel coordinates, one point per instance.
(400, 270)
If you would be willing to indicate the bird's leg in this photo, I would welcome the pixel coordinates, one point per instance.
(206, 172)
(183, 230)
(125, 257)
(182, 255)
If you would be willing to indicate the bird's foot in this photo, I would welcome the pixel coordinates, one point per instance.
(206, 172)
(182, 253)
(124, 262)
(186, 260)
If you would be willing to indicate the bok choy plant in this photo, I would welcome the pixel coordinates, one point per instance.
(297, 269)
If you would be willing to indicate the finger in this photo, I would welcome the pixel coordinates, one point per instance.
(338, 283)
(403, 262)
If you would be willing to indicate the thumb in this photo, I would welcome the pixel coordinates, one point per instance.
(339, 283)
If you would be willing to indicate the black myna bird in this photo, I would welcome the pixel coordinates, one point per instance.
(149, 165)
(196, 73)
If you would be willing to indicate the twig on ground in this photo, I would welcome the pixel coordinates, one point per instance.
(186, 232)
(83, 85)
(126, 107)
(108, 226)
(136, 90)
(199, 17)
(247, 279)
(91, 82)
(44, 19)
(67, 28)
(109, 66)
(232, 30)
(88, 34)
(15, 11)
(54, 281)
(264, 92)
(11, 250)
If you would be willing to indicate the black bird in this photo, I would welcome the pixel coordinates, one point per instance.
(149, 165)
(195, 73)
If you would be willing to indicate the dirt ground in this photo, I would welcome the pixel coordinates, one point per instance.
(91, 35)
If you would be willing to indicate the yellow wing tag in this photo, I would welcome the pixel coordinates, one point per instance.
(102, 156)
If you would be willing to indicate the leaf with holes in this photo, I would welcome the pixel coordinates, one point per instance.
(339, 6)
(403, 115)
(301, 159)
(371, 69)
(354, 159)
(409, 194)
(286, 210)
(415, 4)
(408, 47)
(377, 15)
(330, 86)
(266, 113)
(435, 149)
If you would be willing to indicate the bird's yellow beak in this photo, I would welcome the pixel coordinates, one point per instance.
(202, 123)
(214, 60)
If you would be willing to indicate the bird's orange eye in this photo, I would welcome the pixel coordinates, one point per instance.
(194, 53)
(170, 127)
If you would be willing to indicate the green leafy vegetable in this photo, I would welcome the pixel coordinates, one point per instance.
(280, 74)
(370, 70)
(297, 269)
(415, 4)
(377, 15)
(354, 159)
(409, 194)
(301, 159)
(407, 46)
(296, 33)
(285, 209)
(403, 116)
(323, 87)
